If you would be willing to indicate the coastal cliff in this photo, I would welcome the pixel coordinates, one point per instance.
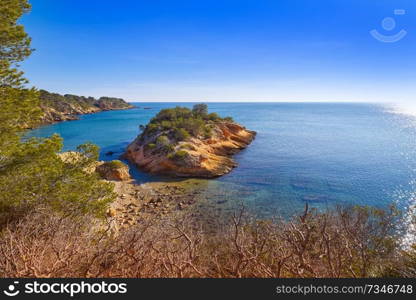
(184, 143)
(57, 108)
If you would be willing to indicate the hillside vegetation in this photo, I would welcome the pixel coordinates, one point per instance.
(32, 173)
(56, 107)
(181, 123)
(347, 242)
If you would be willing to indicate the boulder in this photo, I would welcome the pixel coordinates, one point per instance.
(113, 170)
(197, 157)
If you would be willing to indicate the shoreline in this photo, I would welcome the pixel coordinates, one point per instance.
(142, 201)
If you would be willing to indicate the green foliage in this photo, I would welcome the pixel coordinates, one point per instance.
(213, 117)
(114, 164)
(163, 143)
(111, 102)
(187, 146)
(65, 103)
(200, 110)
(72, 104)
(172, 114)
(19, 109)
(183, 122)
(179, 155)
(14, 42)
(37, 175)
(151, 146)
(403, 267)
(207, 132)
(32, 172)
(168, 148)
(19, 106)
(181, 134)
(152, 128)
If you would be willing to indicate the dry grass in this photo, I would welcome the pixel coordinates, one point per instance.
(343, 243)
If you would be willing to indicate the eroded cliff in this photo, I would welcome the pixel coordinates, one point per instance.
(58, 107)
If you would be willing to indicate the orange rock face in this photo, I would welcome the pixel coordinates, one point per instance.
(109, 171)
(206, 158)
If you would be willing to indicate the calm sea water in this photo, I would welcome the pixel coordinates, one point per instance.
(320, 153)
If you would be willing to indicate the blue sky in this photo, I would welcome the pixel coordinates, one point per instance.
(223, 50)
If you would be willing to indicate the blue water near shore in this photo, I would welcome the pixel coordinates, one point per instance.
(321, 153)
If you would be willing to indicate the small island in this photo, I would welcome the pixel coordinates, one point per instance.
(182, 142)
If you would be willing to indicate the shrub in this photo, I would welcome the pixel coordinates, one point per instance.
(200, 110)
(180, 155)
(152, 128)
(213, 117)
(187, 146)
(38, 175)
(181, 119)
(194, 126)
(113, 170)
(33, 173)
(168, 148)
(207, 132)
(166, 124)
(181, 134)
(114, 164)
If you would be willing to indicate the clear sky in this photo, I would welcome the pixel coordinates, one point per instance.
(224, 50)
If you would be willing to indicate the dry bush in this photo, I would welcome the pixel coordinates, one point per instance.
(348, 242)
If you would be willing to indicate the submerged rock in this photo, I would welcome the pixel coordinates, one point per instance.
(221, 201)
(301, 183)
(315, 198)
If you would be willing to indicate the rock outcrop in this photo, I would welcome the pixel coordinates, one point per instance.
(194, 157)
(57, 108)
(113, 170)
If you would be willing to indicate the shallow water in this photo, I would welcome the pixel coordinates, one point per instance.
(321, 153)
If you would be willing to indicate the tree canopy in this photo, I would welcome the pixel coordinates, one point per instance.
(185, 122)
(32, 171)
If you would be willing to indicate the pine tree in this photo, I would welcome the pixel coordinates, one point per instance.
(33, 173)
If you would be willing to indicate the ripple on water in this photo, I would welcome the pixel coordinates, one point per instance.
(321, 153)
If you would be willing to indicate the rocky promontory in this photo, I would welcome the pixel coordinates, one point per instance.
(57, 108)
(189, 143)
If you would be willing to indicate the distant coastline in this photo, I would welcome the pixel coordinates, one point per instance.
(57, 108)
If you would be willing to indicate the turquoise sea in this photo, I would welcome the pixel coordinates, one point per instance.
(321, 153)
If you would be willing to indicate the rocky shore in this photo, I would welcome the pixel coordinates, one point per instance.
(137, 202)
